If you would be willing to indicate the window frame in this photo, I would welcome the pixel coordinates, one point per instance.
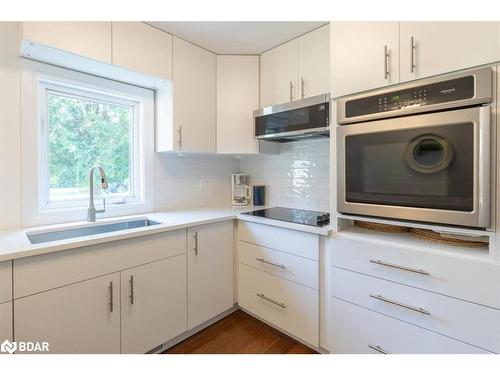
(35, 79)
(46, 87)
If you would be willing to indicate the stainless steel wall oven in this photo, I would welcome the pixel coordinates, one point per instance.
(419, 151)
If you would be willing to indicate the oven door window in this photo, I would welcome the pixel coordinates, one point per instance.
(423, 167)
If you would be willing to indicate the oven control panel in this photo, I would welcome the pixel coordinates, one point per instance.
(420, 96)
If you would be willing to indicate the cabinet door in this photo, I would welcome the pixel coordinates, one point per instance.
(278, 74)
(5, 321)
(359, 59)
(78, 318)
(153, 304)
(237, 98)
(314, 62)
(440, 47)
(5, 281)
(142, 48)
(210, 271)
(89, 39)
(194, 83)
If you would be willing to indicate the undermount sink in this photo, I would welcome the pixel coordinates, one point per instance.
(64, 234)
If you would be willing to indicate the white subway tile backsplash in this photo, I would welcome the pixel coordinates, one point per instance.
(296, 177)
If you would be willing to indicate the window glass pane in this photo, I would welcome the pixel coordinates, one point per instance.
(81, 133)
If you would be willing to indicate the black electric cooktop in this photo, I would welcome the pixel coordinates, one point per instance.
(312, 218)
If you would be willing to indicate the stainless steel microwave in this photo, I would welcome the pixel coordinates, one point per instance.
(306, 118)
(420, 151)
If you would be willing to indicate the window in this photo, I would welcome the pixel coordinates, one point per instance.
(82, 128)
(72, 121)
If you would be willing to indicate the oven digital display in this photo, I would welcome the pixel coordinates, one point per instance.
(436, 93)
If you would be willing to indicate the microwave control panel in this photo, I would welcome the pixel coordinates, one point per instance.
(420, 96)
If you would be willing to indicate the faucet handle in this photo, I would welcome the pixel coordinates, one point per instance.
(104, 206)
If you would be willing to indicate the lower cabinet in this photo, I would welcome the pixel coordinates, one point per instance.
(285, 304)
(356, 330)
(153, 304)
(5, 321)
(78, 318)
(210, 271)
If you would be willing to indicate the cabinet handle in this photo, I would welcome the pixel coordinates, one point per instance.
(302, 85)
(271, 263)
(111, 296)
(412, 54)
(391, 265)
(179, 130)
(400, 304)
(195, 236)
(291, 91)
(378, 349)
(131, 281)
(386, 62)
(280, 304)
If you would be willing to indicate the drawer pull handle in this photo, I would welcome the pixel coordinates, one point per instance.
(414, 270)
(392, 302)
(271, 263)
(280, 304)
(378, 349)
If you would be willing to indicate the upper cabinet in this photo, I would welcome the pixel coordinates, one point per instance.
(368, 55)
(237, 98)
(314, 62)
(278, 74)
(194, 81)
(365, 55)
(90, 39)
(430, 48)
(297, 69)
(142, 48)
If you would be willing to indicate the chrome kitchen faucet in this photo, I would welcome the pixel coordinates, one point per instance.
(104, 183)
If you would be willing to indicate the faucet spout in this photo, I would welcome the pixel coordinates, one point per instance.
(91, 213)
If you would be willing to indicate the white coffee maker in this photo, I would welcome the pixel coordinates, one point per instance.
(240, 190)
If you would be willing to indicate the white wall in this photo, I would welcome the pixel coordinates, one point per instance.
(193, 181)
(10, 127)
(297, 177)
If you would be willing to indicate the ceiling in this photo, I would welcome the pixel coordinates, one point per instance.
(239, 38)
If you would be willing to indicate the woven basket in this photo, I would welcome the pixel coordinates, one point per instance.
(381, 227)
(430, 235)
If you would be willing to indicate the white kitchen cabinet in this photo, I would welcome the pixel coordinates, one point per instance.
(364, 55)
(5, 321)
(5, 281)
(194, 108)
(278, 74)
(314, 62)
(441, 47)
(210, 271)
(78, 318)
(142, 48)
(356, 330)
(153, 304)
(237, 98)
(89, 39)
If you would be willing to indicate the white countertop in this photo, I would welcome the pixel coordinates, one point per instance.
(14, 244)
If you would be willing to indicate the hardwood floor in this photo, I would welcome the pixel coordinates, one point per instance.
(239, 333)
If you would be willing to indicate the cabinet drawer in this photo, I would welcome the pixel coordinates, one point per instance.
(356, 330)
(290, 241)
(291, 267)
(43, 272)
(299, 312)
(450, 275)
(6, 321)
(464, 321)
(5, 281)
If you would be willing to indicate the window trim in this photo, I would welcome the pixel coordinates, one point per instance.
(35, 76)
